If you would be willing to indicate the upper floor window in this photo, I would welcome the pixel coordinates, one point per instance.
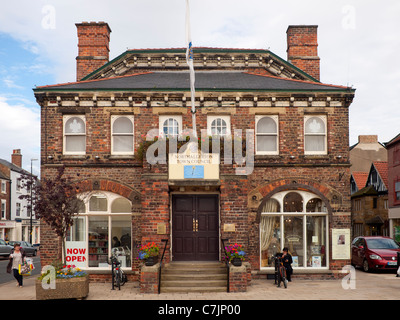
(397, 190)
(219, 125)
(267, 135)
(74, 135)
(315, 135)
(170, 126)
(3, 186)
(122, 135)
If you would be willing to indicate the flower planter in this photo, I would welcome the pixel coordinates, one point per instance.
(151, 261)
(74, 288)
(237, 262)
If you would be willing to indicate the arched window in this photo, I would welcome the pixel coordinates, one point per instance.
(102, 227)
(122, 134)
(267, 134)
(74, 135)
(315, 135)
(303, 229)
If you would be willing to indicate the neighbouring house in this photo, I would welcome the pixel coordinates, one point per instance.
(15, 220)
(292, 189)
(370, 203)
(393, 147)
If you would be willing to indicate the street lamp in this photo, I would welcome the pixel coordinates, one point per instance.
(30, 229)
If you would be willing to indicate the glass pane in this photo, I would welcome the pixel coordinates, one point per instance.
(218, 127)
(122, 125)
(121, 239)
(123, 143)
(266, 125)
(293, 202)
(170, 127)
(316, 242)
(75, 125)
(98, 203)
(271, 206)
(270, 238)
(316, 205)
(98, 241)
(293, 229)
(121, 205)
(75, 143)
(315, 125)
(77, 231)
(266, 143)
(314, 143)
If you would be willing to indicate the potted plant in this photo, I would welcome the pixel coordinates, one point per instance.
(62, 282)
(235, 254)
(149, 253)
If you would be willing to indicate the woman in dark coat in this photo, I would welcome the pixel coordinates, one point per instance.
(16, 258)
(287, 263)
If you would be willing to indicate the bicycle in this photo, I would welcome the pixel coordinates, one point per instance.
(119, 276)
(280, 272)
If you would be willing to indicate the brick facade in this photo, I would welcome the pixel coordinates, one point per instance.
(241, 196)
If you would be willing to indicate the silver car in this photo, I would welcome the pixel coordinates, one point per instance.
(5, 249)
(29, 249)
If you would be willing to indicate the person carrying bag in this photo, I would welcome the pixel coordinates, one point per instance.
(17, 259)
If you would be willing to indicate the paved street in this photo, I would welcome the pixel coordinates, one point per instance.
(368, 286)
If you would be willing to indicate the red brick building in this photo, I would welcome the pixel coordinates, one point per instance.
(295, 194)
(393, 147)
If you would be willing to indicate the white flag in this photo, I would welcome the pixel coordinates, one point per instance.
(189, 61)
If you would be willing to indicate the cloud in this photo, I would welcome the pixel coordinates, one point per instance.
(19, 129)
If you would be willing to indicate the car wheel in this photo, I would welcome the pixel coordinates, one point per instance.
(366, 266)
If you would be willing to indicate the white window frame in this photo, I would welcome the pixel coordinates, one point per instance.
(275, 118)
(227, 120)
(3, 186)
(111, 197)
(3, 209)
(113, 119)
(65, 120)
(324, 120)
(306, 196)
(163, 118)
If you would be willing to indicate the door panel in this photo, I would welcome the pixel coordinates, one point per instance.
(195, 228)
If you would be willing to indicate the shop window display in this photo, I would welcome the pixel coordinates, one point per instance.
(297, 220)
(102, 227)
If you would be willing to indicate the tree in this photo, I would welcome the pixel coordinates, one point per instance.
(54, 201)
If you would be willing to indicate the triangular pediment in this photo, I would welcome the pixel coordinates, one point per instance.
(262, 62)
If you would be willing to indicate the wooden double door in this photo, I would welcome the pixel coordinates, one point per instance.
(195, 227)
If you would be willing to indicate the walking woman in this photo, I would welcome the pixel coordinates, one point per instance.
(17, 257)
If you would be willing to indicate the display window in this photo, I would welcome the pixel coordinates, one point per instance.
(297, 220)
(103, 227)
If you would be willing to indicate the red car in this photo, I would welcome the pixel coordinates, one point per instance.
(374, 253)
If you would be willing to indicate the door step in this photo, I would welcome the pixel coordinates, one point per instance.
(193, 276)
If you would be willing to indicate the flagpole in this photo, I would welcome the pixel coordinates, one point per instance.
(189, 61)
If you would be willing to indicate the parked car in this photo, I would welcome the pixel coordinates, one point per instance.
(5, 249)
(374, 253)
(29, 249)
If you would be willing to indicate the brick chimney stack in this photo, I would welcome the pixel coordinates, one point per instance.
(302, 49)
(16, 158)
(93, 47)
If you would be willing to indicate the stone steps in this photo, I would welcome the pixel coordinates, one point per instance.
(194, 277)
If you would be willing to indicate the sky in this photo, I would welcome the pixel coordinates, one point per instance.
(358, 40)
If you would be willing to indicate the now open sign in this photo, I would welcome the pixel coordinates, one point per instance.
(76, 253)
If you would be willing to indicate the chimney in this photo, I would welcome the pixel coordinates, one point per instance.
(16, 157)
(302, 49)
(93, 47)
(368, 139)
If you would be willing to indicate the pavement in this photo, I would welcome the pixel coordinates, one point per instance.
(363, 286)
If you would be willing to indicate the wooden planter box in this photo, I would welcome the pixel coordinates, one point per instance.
(74, 288)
